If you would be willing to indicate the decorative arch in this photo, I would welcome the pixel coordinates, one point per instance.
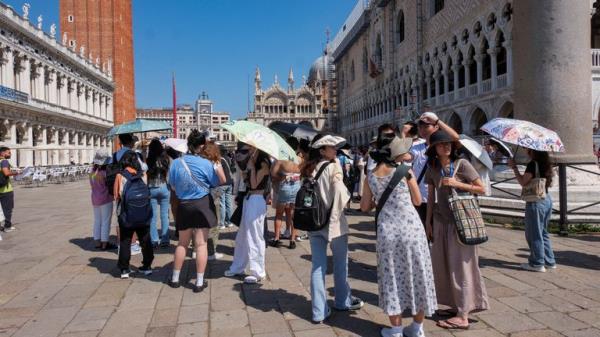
(478, 118)
(455, 122)
(506, 110)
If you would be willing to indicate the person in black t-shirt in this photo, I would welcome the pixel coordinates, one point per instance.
(537, 214)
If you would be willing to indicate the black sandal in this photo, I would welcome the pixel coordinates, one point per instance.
(275, 243)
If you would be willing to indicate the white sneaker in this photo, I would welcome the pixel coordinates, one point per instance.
(410, 331)
(136, 249)
(9, 229)
(387, 332)
(553, 266)
(221, 227)
(215, 256)
(229, 225)
(539, 269)
(251, 279)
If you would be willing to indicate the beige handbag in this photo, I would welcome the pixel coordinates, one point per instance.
(535, 190)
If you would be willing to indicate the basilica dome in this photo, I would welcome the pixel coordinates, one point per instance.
(323, 65)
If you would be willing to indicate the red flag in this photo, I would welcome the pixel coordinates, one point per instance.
(174, 109)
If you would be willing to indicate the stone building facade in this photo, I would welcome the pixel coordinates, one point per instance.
(56, 105)
(303, 105)
(104, 29)
(464, 52)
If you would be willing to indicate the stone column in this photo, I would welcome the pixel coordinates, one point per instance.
(72, 93)
(467, 65)
(51, 87)
(493, 51)
(96, 102)
(456, 69)
(479, 60)
(25, 76)
(509, 62)
(436, 77)
(552, 45)
(8, 72)
(109, 109)
(26, 153)
(44, 151)
(81, 104)
(102, 106)
(64, 152)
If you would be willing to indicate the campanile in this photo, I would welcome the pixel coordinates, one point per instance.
(104, 29)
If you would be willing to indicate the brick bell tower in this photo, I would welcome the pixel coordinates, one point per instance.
(104, 28)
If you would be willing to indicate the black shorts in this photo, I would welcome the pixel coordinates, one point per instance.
(196, 213)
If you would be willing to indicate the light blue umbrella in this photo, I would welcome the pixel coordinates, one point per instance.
(138, 126)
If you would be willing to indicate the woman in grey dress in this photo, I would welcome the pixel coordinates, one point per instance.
(458, 280)
(405, 275)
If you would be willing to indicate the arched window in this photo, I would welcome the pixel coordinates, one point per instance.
(400, 27)
(438, 5)
(501, 56)
(378, 51)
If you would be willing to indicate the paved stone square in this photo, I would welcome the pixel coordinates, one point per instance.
(53, 283)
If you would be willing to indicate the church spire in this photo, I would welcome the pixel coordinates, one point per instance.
(257, 81)
(291, 81)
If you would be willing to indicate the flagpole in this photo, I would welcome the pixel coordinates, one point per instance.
(174, 108)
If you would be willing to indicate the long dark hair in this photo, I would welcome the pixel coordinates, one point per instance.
(432, 159)
(195, 140)
(544, 165)
(314, 157)
(261, 158)
(158, 161)
(130, 159)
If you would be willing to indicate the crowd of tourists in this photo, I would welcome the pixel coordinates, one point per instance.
(408, 174)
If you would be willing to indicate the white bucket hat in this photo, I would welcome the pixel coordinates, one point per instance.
(329, 140)
(101, 157)
(179, 145)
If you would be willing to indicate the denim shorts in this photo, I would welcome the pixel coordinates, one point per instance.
(287, 192)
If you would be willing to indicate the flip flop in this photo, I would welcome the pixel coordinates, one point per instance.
(445, 312)
(446, 324)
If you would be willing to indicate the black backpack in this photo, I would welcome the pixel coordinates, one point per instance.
(136, 210)
(3, 178)
(310, 212)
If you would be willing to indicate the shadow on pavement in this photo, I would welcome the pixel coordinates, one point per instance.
(299, 307)
(573, 259)
(485, 262)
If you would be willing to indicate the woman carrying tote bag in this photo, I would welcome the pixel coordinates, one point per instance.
(458, 281)
(538, 208)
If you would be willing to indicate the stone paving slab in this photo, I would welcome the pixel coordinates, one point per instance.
(54, 283)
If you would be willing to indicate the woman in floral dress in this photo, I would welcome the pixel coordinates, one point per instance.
(405, 276)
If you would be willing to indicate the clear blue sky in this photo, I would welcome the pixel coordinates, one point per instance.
(214, 45)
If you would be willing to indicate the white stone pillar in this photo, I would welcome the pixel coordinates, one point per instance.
(467, 65)
(65, 148)
(436, 77)
(479, 60)
(509, 62)
(26, 153)
(25, 76)
(73, 95)
(8, 72)
(494, 58)
(96, 102)
(552, 45)
(81, 104)
(102, 106)
(456, 69)
(109, 109)
(51, 87)
(89, 105)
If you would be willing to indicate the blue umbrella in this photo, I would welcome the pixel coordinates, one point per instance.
(138, 126)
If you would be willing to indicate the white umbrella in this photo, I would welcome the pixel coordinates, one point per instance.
(179, 145)
(476, 151)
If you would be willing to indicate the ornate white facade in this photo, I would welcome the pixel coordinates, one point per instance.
(303, 105)
(56, 102)
(455, 58)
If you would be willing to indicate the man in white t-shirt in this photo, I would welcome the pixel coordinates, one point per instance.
(427, 124)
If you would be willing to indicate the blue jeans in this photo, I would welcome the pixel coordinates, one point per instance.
(160, 196)
(343, 297)
(537, 217)
(225, 204)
